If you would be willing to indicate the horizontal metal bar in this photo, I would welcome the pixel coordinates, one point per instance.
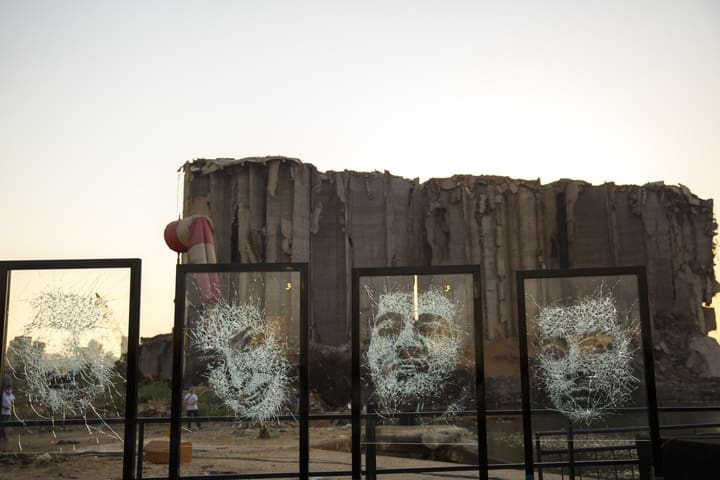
(506, 466)
(625, 429)
(348, 416)
(64, 264)
(146, 420)
(234, 476)
(61, 423)
(697, 408)
(558, 451)
(588, 463)
(681, 426)
(468, 468)
(327, 473)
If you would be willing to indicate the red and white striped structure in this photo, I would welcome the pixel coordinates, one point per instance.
(195, 236)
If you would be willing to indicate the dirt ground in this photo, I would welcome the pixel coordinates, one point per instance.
(76, 453)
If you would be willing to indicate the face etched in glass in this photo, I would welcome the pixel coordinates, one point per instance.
(585, 357)
(248, 371)
(413, 346)
(67, 353)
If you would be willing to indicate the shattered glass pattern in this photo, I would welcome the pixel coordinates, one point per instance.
(68, 361)
(585, 357)
(248, 368)
(414, 346)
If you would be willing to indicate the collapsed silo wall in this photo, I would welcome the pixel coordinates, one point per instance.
(665, 228)
(277, 209)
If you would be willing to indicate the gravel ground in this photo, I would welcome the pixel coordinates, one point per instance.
(75, 453)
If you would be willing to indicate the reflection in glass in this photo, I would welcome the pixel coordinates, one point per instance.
(62, 356)
(65, 361)
(66, 347)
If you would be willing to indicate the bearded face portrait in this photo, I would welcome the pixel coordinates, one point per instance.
(414, 345)
(585, 357)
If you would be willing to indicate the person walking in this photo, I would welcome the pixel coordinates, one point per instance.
(191, 407)
(8, 401)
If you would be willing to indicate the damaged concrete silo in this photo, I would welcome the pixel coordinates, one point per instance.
(278, 209)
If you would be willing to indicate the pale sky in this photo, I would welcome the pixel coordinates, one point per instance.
(102, 101)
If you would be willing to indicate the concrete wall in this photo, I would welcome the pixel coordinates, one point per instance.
(277, 209)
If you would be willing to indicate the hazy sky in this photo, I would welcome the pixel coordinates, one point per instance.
(102, 101)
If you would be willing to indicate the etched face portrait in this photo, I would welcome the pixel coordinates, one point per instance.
(414, 346)
(248, 368)
(585, 356)
(65, 355)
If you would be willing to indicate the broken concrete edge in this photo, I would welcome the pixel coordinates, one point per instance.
(209, 165)
(205, 166)
(708, 363)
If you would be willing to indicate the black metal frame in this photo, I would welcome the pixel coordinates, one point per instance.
(475, 271)
(134, 264)
(646, 338)
(179, 350)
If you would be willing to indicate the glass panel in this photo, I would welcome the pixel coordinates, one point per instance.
(330, 446)
(503, 393)
(154, 404)
(515, 473)
(241, 379)
(687, 388)
(418, 369)
(505, 439)
(64, 370)
(587, 386)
